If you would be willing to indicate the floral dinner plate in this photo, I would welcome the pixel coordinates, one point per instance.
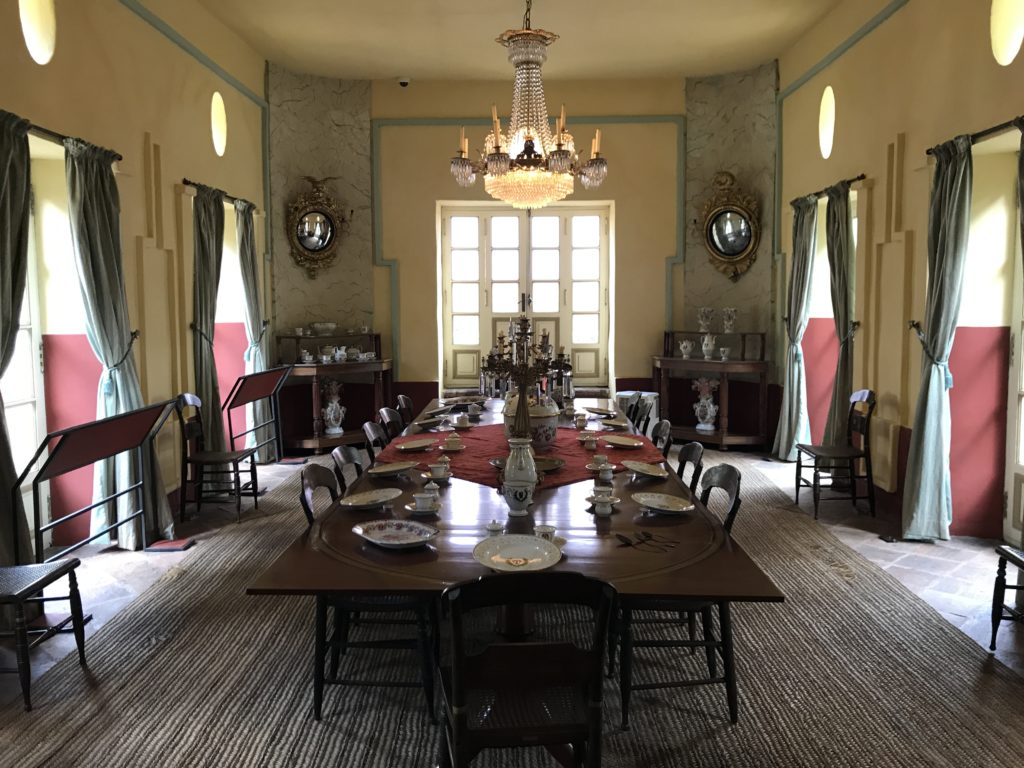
(416, 445)
(662, 502)
(395, 534)
(390, 470)
(620, 441)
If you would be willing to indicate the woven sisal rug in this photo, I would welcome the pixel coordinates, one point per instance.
(853, 670)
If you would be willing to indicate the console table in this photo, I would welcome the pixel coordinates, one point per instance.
(311, 373)
(666, 365)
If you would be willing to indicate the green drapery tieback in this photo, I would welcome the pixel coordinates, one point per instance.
(943, 364)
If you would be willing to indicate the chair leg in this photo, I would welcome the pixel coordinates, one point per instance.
(77, 617)
(708, 628)
(725, 619)
(319, 650)
(339, 640)
(870, 481)
(183, 491)
(691, 628)
(626, 664)
(21, 643)
(816, 489)
(799, 475)
(238, 492)
(998, 595)
(254, 483)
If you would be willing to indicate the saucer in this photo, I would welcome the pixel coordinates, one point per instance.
(439, 480)
(433, 510)
(613, 500)
(598, 467)
(446, 449)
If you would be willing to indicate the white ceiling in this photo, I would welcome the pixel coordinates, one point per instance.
(454, 39)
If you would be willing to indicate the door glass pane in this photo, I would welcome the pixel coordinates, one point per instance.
(585, 329)
(465, 232)
(18, 382)
(466, 329)
(544, 265)
(586, 297)
(504, 265)
(465, 265)
(466, 297)
(545, 297)
(21, 426)
(544, 231)
(505, 232)
(586, 231)
(505, 298)
(586, 264)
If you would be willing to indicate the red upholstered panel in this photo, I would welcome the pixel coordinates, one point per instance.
(821, 353)
(229, 345)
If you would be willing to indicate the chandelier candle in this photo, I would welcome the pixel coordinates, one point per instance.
(528, 167)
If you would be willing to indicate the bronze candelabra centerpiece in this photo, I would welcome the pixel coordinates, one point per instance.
(530, 366)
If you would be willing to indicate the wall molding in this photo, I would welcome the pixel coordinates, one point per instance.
(378, 123)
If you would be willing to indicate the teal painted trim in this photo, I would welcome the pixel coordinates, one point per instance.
(867, 28)
(178, 39)
(378, 217)
(680, 255)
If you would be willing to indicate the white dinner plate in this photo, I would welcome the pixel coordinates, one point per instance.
(390, 470)
(643, 468)
(370, 499)
(662, 502)
(615, 423)
(600, 411)
(517, 552)
(417, 445)
(594, 467)
(428, 423)
(439, 480)
(451, 448)
(621, 441)
(395, 534)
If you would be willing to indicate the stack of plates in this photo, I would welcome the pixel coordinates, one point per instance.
(370, 499)
(395, 534)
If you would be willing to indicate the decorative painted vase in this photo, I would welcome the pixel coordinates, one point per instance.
(704, 318)
(707, 345)
(706, 412)
(520, 477)
(728, 319)
(686, 347)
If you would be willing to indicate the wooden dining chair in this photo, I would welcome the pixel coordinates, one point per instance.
(839, 462)
(667, 613)
(369, 610)
(200, 467)
(547, 692)
(376, 439)
(630, 406)
(691, 454)
(391, 420)
(661, 436)
(344, 456)
(642, 415)
(406, 410)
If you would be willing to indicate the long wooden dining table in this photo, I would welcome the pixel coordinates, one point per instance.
(703, 562)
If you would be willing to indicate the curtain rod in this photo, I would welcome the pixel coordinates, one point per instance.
(229, 198)
(985, 133)
(823, 192)
(54, 136)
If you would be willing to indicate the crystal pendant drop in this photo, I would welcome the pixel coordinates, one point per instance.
(463, 171)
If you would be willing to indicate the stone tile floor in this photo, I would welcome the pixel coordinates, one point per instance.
(954, 577)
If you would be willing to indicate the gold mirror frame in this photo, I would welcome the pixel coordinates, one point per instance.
(317, 200)
(727, 197)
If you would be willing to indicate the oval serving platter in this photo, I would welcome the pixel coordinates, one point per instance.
(662, 502)
(369, 499)
(391, 470)
(517, 552)
(395, 534)
(643, 468)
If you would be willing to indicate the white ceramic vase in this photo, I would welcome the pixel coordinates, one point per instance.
(519, 478)
(706, 412)
(707, 345)
(333, 415)
(704, 318)
(728, 319)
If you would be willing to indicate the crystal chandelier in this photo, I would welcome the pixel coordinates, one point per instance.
(528, 166)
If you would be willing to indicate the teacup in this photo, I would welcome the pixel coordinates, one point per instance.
(600, 459)
(546, 532)
(453, 441)
(364, 329)
(494, 528)
(686, 348)
(724, 352)
(424, 500)
(602, 508)
(474, 409)
(590, 443)
(581, 421)
(439, 471)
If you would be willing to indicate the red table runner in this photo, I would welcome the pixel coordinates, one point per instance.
(487, 442)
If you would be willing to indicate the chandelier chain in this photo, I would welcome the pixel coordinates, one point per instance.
(526, 16)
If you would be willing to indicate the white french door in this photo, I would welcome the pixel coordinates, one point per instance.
(497, 263)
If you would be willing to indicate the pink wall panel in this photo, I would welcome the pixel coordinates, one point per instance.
(977, 404)
(71, 376)
(821, 353)
(229, 345)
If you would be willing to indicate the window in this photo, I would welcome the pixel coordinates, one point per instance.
(498, 263)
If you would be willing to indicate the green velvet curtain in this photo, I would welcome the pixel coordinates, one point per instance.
(794, 426)
(839, 241)
(15, 206)
(208, 238)
(94, 209)
(255, 325)
(927, 501)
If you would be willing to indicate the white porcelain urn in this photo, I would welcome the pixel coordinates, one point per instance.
(707, 345)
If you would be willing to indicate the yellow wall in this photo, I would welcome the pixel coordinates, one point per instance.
(922, 77)
(116, 81)
(641, 182)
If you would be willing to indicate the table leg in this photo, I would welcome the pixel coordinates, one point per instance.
(21, 643)
(998, 595)
(662, 385)
(318, 421)
(515, 622)
(319, 652)
(723, 413)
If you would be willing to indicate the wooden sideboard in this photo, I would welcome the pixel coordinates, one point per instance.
(667, 366)
(311, 374)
